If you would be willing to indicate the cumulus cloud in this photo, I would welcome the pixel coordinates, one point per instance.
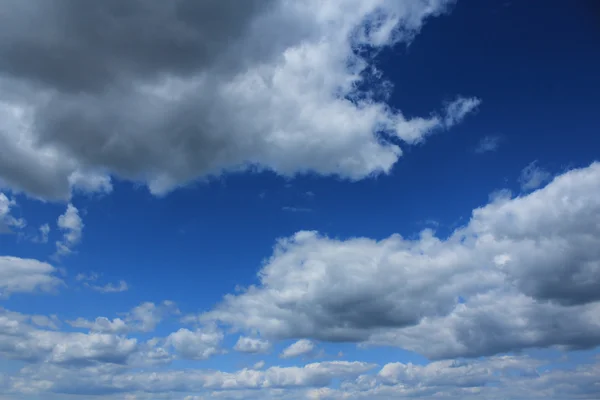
(22, 275)
(539, 252)
(533, 176)
(140, 91)
(20, 340)
(252, 345)
(299, 348)
(199, 344)
(71, 225)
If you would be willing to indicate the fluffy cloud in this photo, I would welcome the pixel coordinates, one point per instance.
(72, 226)
(539, 252)
(199, 344)
(20, 275)
(20, 340)
(252, 345)
(299, 348)
(161, 94)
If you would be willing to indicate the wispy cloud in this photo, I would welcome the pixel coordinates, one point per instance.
(488, 144)
(109, 287)
(533, 176)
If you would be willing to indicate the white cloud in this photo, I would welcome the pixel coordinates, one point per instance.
(299, 348)
(199, 344)
(252, 345)
(7, 221)
(44, 232)
(110, 287)
(21, 275)
(19, 340)
(457, 110)
(89, 277)
(533, 176)
(259, 365)
(407, 292)
(143, 318)
(287, 74)
(71, 224)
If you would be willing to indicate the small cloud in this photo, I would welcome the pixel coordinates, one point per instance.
(110, 287)
(259, 365)
(309, 194)
(457, 110)
(7, 221)
(296, 209)
(299, 348)
(532, 177)
(252, 345)
(89, 277)
(71, 224)
(488, 144)
(42, 237)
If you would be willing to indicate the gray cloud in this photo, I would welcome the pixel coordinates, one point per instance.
(162, 94)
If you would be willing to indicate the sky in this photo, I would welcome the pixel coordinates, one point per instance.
(341, 199)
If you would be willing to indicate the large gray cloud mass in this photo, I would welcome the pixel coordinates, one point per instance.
(168, 92)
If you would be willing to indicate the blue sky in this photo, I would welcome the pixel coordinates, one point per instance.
(314, 200)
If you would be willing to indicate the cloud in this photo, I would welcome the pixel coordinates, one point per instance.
(259, 365)
(22, 275)
(299, 348)
(533, 176)
(44, 232)
(71, 224)
(488, 144)
(120, 99)
(94, 380)
(539, 252)
(252, 345)
(7, 221)
(199, 344)
(110, 287)
(505, 377)
(457, 110)
(19, 340)
(143, 318)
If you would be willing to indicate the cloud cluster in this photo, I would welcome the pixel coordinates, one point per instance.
(524, 272)
(161, 94)
(21, 340)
